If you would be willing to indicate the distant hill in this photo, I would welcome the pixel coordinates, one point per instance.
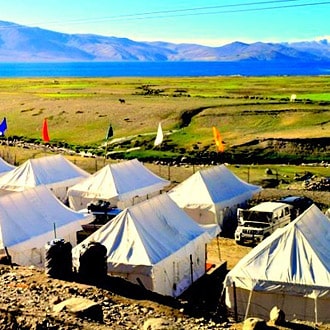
(20, 43)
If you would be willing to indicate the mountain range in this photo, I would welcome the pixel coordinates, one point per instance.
(19, 43)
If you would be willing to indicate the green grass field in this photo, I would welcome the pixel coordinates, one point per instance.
(242, 108)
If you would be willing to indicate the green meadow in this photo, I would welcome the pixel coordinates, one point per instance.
(243, 109)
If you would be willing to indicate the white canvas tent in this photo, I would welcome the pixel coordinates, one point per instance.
(213, 196)
(56, 172)
(31, 218)
(153, 242)
(5, 167)
(289, 269)
(122, 184)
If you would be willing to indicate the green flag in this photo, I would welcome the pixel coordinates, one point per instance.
(109, 133)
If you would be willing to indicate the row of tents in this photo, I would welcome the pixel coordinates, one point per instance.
(209, 196)
(151, 233)
(160, 241)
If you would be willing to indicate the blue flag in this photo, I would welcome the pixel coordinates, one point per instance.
(3, 126)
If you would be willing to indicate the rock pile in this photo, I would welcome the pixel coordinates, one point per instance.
(317, 183)
(29, 299)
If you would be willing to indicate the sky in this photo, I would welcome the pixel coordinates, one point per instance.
(204, 22)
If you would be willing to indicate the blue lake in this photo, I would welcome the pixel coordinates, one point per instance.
(160, 69)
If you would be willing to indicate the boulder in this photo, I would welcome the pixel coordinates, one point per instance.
(268, 171)
(254, 323)
(276, 316)
(81, 307)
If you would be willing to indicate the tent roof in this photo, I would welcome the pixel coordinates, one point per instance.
(33, 213)
(148, 232)
(5, 167)
(296, 254)
(213, 185)
(47, 170)
(123, 180)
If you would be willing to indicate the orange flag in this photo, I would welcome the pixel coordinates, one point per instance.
(218, 140)
(44, 132)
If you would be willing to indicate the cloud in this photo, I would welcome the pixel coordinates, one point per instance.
(322, 38)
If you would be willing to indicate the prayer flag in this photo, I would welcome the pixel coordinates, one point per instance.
(45, 135)
(159, 136)
(218, 140)
(3, 126)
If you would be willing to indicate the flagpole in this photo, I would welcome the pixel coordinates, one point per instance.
(109, 135)
(106, 150)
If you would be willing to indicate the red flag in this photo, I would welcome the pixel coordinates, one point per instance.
(45, 135)
(218, 140)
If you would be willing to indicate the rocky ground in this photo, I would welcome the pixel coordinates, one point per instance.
(30, 299)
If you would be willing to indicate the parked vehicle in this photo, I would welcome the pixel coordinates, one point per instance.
(102, 212)
(299, 203)
(260, 221)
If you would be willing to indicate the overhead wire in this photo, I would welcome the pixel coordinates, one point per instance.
(135, 16)
(203, 10)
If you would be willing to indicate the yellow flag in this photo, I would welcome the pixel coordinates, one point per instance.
(218, 140)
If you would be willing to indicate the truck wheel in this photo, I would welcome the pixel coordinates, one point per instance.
(239, 241)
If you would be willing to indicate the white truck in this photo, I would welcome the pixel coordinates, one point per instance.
(260, 221)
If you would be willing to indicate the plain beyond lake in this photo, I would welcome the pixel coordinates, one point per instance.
(161, 69)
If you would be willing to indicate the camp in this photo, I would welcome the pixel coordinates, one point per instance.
(122, 184)
(213, 196)
(56, 172)
(31, 218)
(154, 244)
(289, 269)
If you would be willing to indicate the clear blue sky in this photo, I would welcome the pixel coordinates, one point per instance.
(207, 22)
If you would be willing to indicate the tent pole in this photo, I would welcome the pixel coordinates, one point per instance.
(54, 230)
(248, 305)
(235, 302)
(9, 257)
(191, 269)
(205, 262)
(218, 245)
(315, 310)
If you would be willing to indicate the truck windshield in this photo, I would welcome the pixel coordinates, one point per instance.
(258, 216)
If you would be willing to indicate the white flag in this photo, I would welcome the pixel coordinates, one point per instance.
(159, 137)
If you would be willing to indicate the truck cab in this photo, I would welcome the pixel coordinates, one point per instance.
(260, 221)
